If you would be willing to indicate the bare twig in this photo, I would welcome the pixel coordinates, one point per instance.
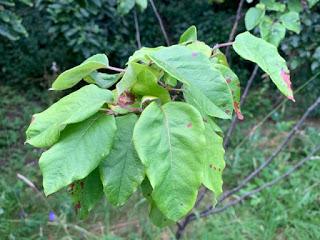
(243, 97)
(220, 45)
(212, 210)
(136, 24)
(116, 69)
(164, 32)
(235, 26)
(275, 154)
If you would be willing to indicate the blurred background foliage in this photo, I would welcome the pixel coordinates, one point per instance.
(41, 38)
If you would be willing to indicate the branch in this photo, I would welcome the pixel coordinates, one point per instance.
(275, 154)
(220, 45)
(116, 69)
(243, 97)
(211, 211)
(262, 187)
(160, 22)
(235, 26)
(136, 24)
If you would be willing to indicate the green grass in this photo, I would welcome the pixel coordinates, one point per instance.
(289, 210)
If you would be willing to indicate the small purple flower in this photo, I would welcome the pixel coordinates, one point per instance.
(52, 216)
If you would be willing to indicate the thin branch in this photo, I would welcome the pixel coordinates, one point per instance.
(275, 154)
(116, 69)
(234, 27)
(262, 187)
(165, 35)
(243, 97)
(136, 24)
(210, 210)
(220, 45)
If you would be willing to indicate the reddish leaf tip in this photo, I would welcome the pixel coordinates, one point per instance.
(237, 110)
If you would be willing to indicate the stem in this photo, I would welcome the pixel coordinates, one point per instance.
(275, 154)
(136, 24)
(165, 35)
(116, 69)
(220, 45)
(234, 27)
(243, 97)
(262, 187)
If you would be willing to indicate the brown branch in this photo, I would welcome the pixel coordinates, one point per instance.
(220, 45)
(116, 69)
(211, 210)
(163, 30)
(243, 97)
(136, 25)
(275, 154)
(234, 27)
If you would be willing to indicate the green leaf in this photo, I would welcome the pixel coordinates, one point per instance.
(146, 85)
(194, 68)
(130, 77)
(295, 5)
(122, 171)
(234, 85)
(156, 216)
(200, 101)
(141, 54)
(190, 35)
(291, 21)
(272, 5)
(214, 163)
(142, 4)
(200, 47)
(125, 6)
(253, 17)
(267, 57)
(79, 151)
(74, 75)
(219, 58)
(103, 80)
(170, 142)
(46, 126)
(312, 3)
(86, 193)
(272, 32)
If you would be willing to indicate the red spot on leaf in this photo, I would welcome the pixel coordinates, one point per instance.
(194, 54)
(189, 125)
(286, 78)
(126, 99)
(237, 110)
(228, 80)
(227, 111)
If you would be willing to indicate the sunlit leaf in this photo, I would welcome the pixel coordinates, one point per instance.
(79, 151)
(170, 142)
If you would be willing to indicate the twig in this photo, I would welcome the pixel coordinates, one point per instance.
(275, 154)
(243, 97)
(234, 27)
(212, 210)
(165, 35)
(220, 45)
(136, 24)
(116, 69)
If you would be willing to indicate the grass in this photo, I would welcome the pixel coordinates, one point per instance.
(289, 210)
